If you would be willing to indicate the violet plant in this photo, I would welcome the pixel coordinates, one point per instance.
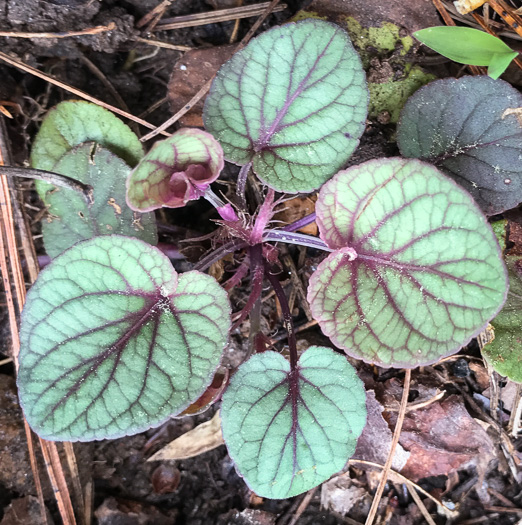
(114, 341)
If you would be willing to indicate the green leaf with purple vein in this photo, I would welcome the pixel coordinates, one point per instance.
(71, 220)
(293, 102)
(465, 129)
(416, 272)
(289, 431)
(114, 342)
(175, 171)
(75, 121)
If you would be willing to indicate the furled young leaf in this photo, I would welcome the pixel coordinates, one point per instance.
(176, 170)
(289, 431)
(461, 127)
(468, 46)
(114, 342)
(416, 271)
(71, 220)
(75, 121)
(293, 102)
(504, 353)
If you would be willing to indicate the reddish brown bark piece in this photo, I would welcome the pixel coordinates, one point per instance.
(443, 437)
(192, 71)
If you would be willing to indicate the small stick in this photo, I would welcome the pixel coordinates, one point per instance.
(109, 87)
(303, 505)
(399, 478)
(154, 15)
(76, 484)
(154, 107)
(33, 71)
(509, 15)
(233, 36)
(395, 441)
(516, 413)
(201, 93)
(213, 17)
(420, 504)
(62, 34)
(483, 25)
(159, 43)
(51, 178)
(495, 393)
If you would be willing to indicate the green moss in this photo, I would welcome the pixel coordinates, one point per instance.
(378, 41)
(303, 15)
(391, 96)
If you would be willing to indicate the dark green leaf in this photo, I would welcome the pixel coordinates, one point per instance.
(463, 128)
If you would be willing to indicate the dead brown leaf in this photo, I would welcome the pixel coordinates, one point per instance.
(443, 437)
(375, 441)
(203, 438)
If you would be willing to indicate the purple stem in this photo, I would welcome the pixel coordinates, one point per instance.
(216, 255)
(241, 184)
(301, 223)
(257, 270)
(287, 316)
(295, 238)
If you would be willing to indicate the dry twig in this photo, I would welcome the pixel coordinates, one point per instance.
(395, 441)
(62, 34)
(33, 71)
(213, 17)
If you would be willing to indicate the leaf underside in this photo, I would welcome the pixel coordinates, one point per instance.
(293, 101)
(288, 432)
(460, 126)
(113, 342)
(75, 121)
(504, 353)
(428, 274)
(71, 220)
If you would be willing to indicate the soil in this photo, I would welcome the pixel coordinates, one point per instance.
(126, 489)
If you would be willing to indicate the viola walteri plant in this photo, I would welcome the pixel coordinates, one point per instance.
(114, 341)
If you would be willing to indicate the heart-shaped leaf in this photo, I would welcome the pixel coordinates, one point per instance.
(417, 270)
(462, 127)
(75, 121)
(504, 353)
(176, 170)
(289, 431)
(466, 45)
(113, 342)
(71, 220)
(293, 102)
